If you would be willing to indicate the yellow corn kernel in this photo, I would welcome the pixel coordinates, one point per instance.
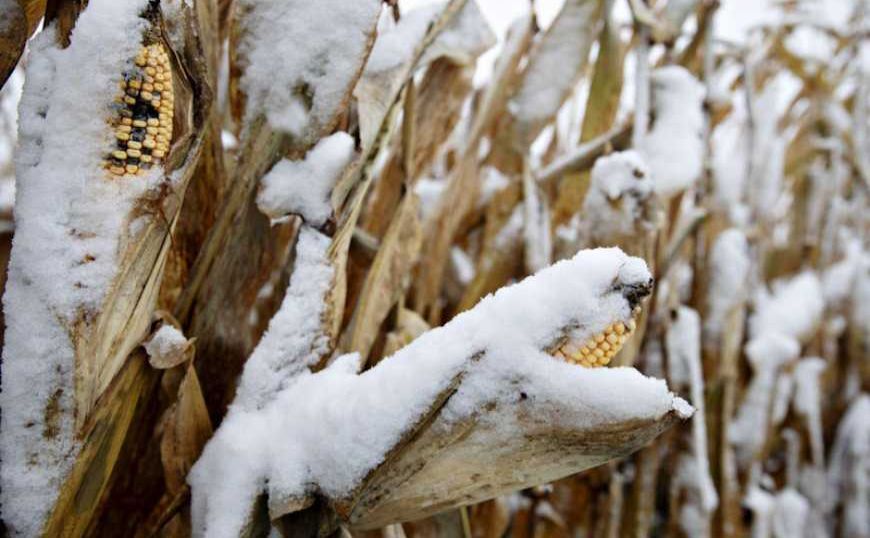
(143, 110)
(600, 348)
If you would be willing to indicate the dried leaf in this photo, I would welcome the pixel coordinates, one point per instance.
(555, 65)
(186, 429)
(13, 36)
(387, 278)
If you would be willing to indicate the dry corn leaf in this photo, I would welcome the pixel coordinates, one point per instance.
(458, 198)
(385, 77)
(438, 103)
(409, 325)
(13, 36)
(601, 108)
(555, 65)
(34, 10)
(387, 278)
(186, 429)
(499, 258)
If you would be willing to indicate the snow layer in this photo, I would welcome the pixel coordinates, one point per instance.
(294, 339)
(303, 187)
(301, 440)
(69, 219)
(793, 308)
(301, 58)
(618, 194)
(849, 470)
(729, 273)
(762, 504)
(808, 402)
(767, 355)
(790, 514)
(167, 340)
(683, 340)
(840, 279)
(674, 147)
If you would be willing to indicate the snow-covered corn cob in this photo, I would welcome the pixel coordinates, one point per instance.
(143, 123)
(600, 349)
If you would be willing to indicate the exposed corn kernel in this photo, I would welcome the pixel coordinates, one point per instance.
(143, 128)
(599, 349)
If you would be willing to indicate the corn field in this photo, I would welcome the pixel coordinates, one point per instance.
(412, 268)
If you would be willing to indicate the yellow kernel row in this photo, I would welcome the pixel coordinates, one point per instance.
(143, 132)
(600, 349)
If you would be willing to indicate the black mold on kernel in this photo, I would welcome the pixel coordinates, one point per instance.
(134, 115)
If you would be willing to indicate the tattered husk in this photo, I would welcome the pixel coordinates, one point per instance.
(441, 462)
(601, 108)
(460, 194)
(104, 340)
(543, 89)
(111, 372)
(442, 466)
(387, 277)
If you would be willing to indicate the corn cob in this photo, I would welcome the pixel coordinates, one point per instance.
(600, 349)
(144, 111)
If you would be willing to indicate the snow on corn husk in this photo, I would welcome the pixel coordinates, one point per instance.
(75, 315)
(474, 396)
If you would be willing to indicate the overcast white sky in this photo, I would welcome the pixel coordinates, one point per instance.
(734, 18)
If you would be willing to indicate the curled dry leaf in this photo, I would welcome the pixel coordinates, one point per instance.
(387, 277)
(555, 64)
(13, 36)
